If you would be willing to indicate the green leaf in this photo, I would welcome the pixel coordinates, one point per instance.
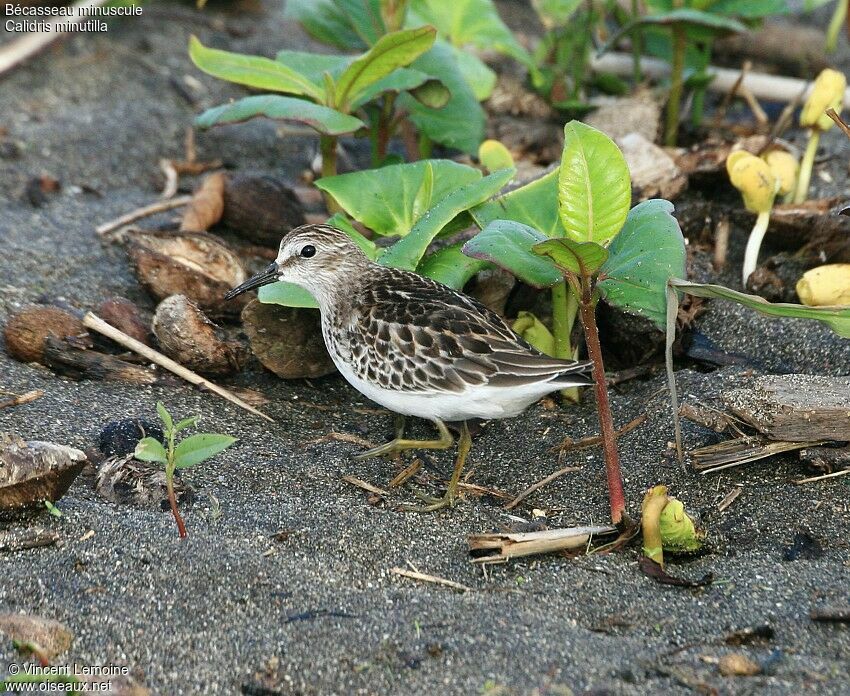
(395, 50)
(494, 156)
(535, 332)
(508, 244)
(837, 318)
(390, 200)
(556, 13)
(252, 71)
(424, 88)
(164, 416)
(407, 252)
(756, 9)
(578, 258)
(594, 186)
(458, 124)
(367, 246)
(347, 24)
(477, 74)
(321, 118)
(196, 448)
(149, 449)
(314, 65)
(451, 267)
(649, 250)
(471, 23)
(534, 204)
(190, 422)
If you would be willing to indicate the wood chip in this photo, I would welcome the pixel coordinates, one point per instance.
(424, 577)
(499, 547)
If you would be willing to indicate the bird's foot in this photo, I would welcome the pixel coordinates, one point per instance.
(432, 504)
(399, 444)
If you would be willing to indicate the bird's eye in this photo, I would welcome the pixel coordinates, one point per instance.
(308, 251)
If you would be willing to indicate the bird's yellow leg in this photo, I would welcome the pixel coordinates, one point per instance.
(399, 444)
(448, 500)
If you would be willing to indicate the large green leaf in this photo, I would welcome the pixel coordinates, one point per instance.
(424, 88)
(197, 448)
(407, 252)
(314, 65)
(394, 50)
(321, 118)
(390, 200)
(836, 317)
(508, 244)
(649, 250)
(252, 71)
(594, 186)
(348, 24)
(478, 76)
(458, 124)
(534, 204)
(577, 258)
(753, 9)
(450, 266)
(471, 23)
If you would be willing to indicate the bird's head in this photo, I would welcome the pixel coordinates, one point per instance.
(319, 258)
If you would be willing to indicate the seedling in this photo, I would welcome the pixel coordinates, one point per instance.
(52, 509)
(188, 452)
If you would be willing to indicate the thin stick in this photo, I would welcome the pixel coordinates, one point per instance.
(729, 498)
(28, 45)
(537, 486)
(143, 212)
(424, 577)
(838, 121)
(834, 474)
(94, 322)
(721, 243)
(365, 485)
(22, 399)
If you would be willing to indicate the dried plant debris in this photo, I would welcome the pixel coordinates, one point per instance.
(199, 266)
(35, 471)
(26, 331)
(13, 540)
(738, 665)
(499, 547)
(52, 638)
(186, 335)
(119, 438)
(287, 340)
(68, 359)
(654, 172)
(128, 481)
(260, 208)
(125, 316)
(207, 205)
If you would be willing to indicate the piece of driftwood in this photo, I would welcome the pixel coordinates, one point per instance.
(69, 360)
(826, 459)
(739, 450)
(501, 546)
(799, 408)
(25, 539)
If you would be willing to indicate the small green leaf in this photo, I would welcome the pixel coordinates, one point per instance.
(52, 509)
(197, 448)
(535, 204)
(594, 186)
(649, 250)
(391, 51)
(252, 71)
(347, 24)
(508, 244)
(424, 88)
(164, 416)
(321, 118)
(288, 295)
(493, 156)
(578, 258)
(407, 252)
(451, 267)
(186, 423)
(314, 65)
(149, 449)
(535, 332)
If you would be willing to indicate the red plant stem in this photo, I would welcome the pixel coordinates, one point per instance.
(172, 499)
(606, 422)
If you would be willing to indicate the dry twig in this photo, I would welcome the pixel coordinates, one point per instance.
(812, 479)
(143, 212)
(19, 400)
(499, 547)
(424, 577)
(365, 485)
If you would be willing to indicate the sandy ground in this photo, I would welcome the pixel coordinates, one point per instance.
(232, 609)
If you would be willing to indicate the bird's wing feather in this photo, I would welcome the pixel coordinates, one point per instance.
(413, 334)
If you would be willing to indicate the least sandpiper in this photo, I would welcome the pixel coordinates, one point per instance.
(414, 345)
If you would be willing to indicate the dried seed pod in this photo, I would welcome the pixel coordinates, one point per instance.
(35, 471)
(186, 335)
(199, 266)
(261, 208)
(27, 330)
(125, 316)
(287, 340)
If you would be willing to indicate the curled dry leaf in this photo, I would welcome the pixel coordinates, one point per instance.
(32, 472)
(52, 637)
(125, 316)
(187, 336)
(207, 205)
(198, 266)
(27, 330)
(287, 340)
(128, 481)
(261, 208)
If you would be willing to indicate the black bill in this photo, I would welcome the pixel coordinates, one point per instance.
(264, 278)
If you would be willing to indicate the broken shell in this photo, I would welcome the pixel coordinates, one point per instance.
(287, 340)
(261, 208)
(186, 335)
(32, 472)
(125, 316)
(199, 266)
(27, 330)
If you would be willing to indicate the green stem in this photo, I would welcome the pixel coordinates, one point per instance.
(637, 45)
(426, 146)
(564, 312)
(327, 146)
(808, 163)
(385, 125)
(835, 23)
(751, 255)
(671, 128)
(616, 496)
